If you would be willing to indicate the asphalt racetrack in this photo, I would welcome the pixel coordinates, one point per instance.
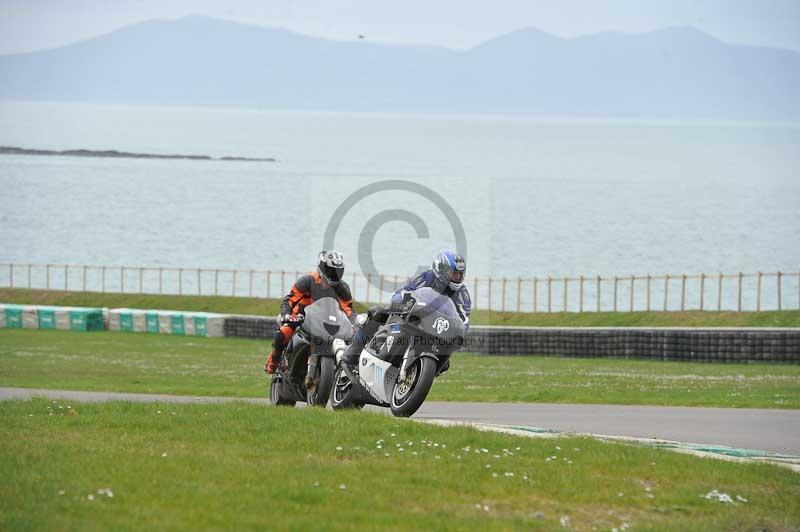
(776, 431)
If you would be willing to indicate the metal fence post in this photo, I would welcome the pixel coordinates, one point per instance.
(666, 292)
(535, 293)
(702, 289)
(233, 287)
(758, 292)
(47, 273)
(269, 282)
(580, 299)
(141, 279)
(283, 278)
(369, 282)
(616, 281)
(353, 286)
(180, 281)
(739, 304)
(633, 278)
(566, 282)
(779, 276)
(250, 284)
(719, 292)
(199, 275)
(11, 275)
(84, 278)
(122, 279)
(380, 294)
(519, 292)
(216, 282)
(160, 279)
(66, 277)
(103, 284)
(489, 308)
(598, 292)
(649, 280)
(683, 291)
(503, 302)
(549, 293)
(30, 266)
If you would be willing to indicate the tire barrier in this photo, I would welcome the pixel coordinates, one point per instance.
(45, 317)
(736, 345)
(166, 322)
(688, 344)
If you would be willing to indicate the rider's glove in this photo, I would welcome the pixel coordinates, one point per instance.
(288, 319)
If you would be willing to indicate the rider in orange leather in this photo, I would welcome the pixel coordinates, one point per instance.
(325, 282)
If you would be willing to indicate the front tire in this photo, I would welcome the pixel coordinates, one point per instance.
(341, 395)
(409, 394)
(318, 396)
(275, 397)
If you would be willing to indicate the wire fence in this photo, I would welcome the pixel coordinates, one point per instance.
(715, 292)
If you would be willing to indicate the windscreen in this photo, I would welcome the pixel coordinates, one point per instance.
(436, 301)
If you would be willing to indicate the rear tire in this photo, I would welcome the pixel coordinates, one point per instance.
(341, 395)
(321, 393)
(408, 395)
(275, 397)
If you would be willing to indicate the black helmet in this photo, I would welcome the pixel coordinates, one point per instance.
(331, 266)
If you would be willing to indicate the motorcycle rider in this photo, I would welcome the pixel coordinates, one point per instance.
(446, 276)
(325, 282)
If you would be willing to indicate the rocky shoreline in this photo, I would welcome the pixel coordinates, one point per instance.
(11, 150)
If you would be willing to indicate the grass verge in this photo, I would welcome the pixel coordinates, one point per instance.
(270, 307)
(138, 362)
(126, 466)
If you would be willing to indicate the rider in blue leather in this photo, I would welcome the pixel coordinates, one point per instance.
(446, 276)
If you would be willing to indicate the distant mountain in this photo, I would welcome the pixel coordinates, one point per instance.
(677, 73)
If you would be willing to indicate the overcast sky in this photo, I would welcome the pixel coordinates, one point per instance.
(27, 25)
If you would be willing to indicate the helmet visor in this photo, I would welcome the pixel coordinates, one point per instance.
(334, 274)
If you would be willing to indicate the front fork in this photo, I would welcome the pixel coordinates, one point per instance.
(311, 371)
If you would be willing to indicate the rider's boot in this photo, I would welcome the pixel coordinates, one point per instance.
(351, 354)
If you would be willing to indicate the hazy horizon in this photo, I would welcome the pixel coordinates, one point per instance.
(46, 24)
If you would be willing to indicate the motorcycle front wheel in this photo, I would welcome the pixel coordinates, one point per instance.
(275, 396)
(341, 396)
(319, 394)
(409, 393)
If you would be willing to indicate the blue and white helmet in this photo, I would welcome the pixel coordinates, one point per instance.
(450, 268)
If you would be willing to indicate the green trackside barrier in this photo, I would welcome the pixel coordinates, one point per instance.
(151, 322)
(126, 321)
(13, 318)
(86, 320)
(200, 326)
(176, 322)
(47, 319)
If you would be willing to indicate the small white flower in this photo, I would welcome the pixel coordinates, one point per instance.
(508, 474)
(342, 486)
(485, 508)
(163, 455)
(488, 466)
(386, 454)
(740, 498)
(61, 492)
(477, 506)
(156, 412)
(338, 447)
(90, 497)
(494, 475)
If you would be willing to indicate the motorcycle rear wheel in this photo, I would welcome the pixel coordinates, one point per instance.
(409, 394)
